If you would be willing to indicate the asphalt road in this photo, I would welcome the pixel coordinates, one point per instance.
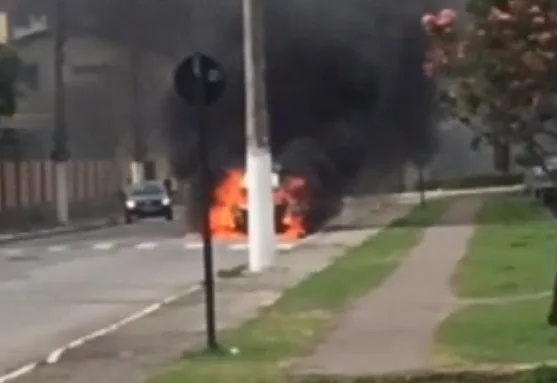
(56, 289)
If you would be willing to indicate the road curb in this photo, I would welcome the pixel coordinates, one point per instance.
(45, 233)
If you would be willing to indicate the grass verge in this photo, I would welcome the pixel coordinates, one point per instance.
(511, 255)
(289, 329)
(542, 374)
(512, 252)
(506, 333)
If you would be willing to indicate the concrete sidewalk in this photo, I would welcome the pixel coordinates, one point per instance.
(392, 329)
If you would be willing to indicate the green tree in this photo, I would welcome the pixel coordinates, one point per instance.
(496, 72)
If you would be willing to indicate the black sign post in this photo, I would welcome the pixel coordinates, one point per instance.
(199, 80)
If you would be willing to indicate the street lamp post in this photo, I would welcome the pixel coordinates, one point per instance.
(261, 221)
(60, 154)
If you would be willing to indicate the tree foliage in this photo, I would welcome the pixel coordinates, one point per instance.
(496, 69)
(498, 72)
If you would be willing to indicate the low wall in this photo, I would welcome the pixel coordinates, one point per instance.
(27, 190)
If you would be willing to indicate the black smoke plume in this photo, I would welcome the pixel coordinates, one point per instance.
(343, 76)
(345, 83)
(345, 88)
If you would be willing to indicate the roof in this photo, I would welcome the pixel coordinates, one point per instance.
(37, 26)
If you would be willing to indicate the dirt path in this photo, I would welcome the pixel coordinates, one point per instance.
(391, 330)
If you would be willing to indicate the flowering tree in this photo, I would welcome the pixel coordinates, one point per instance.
(497, 74)
(496, 71)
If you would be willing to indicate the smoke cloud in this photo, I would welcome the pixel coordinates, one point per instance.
(345, 84)
(345, 77)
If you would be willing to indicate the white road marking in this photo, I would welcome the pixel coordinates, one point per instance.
(146, 246)
(103, 245)
(286, 246)
(55, 355)
(238, 246)
(12, 251)
(18, 373)
(193, 246)
(244, 246)
(57, 248)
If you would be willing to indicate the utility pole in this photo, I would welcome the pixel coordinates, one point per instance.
(136, 166)
(261, 220)
(60, 154)
(421, 184)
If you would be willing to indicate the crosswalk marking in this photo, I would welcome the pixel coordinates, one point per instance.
(286, 246)
(103, 246)
(140, 246)
(279, 246)
(12, 251)
(57, 248)
(146, 246)
(238, 246)
(193, 246)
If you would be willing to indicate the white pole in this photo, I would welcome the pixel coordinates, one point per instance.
(62, 202)
(261, 220)
(136, 166)
(136, 171)
(60, 153)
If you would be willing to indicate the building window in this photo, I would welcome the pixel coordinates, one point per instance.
(29, 76)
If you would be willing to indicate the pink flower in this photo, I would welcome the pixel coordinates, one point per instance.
(499, 15)
(447, 13)
(428, 20)
(446, 17)
(428, 69)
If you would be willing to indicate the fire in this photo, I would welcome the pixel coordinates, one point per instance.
(230, 199)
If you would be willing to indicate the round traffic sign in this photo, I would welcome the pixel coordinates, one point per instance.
(199, 79)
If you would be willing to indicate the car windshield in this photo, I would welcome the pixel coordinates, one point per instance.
(146, 190)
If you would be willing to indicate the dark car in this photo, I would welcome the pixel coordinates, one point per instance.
(148, 199)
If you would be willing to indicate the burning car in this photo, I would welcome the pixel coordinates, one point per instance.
(289, 206)
(229, 213)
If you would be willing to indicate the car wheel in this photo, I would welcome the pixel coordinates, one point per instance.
(169, 216)
(128, 219)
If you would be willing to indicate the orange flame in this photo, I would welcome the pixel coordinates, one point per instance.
(230, 199)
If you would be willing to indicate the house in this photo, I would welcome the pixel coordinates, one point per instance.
(97, 84)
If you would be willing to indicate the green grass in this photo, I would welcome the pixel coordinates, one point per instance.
(511, 256)
(290, 328)
(512, 253)
(508, 333)
(541, 374)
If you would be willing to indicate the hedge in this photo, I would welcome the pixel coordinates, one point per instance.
(475, 181)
